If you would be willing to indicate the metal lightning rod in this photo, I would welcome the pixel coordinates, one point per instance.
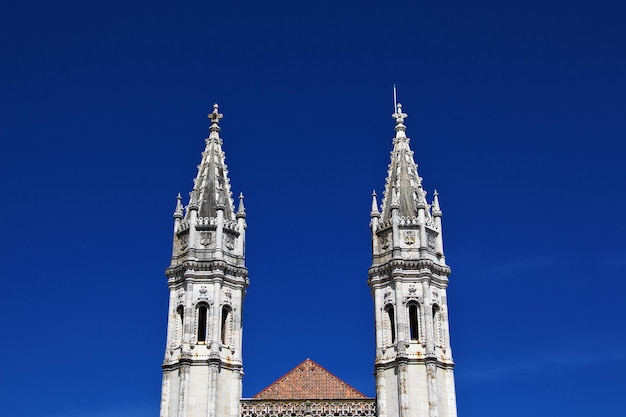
(395, 99)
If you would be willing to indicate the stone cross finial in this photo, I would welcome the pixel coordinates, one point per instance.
(241, 211)
(215, 116)
(398, 115)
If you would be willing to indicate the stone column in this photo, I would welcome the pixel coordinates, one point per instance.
(212, 388)
(165, 394)
(381, 394)
(403, 389)
(431, 376)
(183, 389)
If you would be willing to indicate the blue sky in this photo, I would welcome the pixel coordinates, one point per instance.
(516, 115)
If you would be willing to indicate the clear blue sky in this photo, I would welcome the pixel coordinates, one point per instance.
(516, 115)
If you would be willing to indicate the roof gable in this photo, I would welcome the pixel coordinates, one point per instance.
(308, 381)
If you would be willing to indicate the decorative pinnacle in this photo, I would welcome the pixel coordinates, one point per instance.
(178, 213)
(395, 198)
(399, 116)
(193, 200)
(241, 211)
(215, 117)
(436, 208)
(374, 204)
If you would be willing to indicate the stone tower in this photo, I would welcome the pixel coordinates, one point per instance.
(408, 280)
(207, 279)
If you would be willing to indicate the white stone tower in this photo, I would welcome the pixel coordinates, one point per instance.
(207, 279)
(408, 279)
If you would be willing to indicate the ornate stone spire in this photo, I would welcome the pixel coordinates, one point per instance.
(408, 279)
(436, 208)
(374, 211)
(212, 186)
(403, 187)
(241, 210)
(178, 213)
(207, 279)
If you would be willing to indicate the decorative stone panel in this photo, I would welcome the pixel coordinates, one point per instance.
(313, 408)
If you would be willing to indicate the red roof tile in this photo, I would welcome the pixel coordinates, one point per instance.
(308, 381)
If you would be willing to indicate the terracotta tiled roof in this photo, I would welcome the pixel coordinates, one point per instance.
(308, 381)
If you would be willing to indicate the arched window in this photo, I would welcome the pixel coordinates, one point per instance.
(178, 326)
(202, 323)
(227, 325)
(413, 322)
(390, 325)
(437, 331)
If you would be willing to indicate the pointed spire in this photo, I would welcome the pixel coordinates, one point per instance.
(241, 210)
(374, 212)
(436, 208)
(212, 186)
(178, 213)
(403, 188)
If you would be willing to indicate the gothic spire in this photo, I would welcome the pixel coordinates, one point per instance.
(178, 213)
(403, 187)
(241, 210)
(212, 186)
(374, 211)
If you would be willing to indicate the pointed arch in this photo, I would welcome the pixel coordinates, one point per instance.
(437, 325)
(227, 325)
(414, 321)
(179, 317)
(389, 324)
(202, 315)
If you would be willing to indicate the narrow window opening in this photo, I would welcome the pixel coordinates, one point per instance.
(180, 311)
(437, 324)
(226, 319)
(202, 316)
(413, 322)
(392, 324)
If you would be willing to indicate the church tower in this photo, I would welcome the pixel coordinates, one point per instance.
(408, 280)
(207, 279)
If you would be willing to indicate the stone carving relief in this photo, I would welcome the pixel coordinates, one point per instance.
(409, 237)
(388, 299)
(414, 295)
(431, 241)
(229, 242)
(385, 242)
(228, 297)
(205, 238)
(183, 242)
(253, 408)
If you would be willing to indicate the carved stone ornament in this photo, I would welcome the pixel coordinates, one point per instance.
(431, 241)
(409, 237)
(384, 242)
(412, 289)
(388, 296)
(183, 241)
(205, 238)
(229, 242)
